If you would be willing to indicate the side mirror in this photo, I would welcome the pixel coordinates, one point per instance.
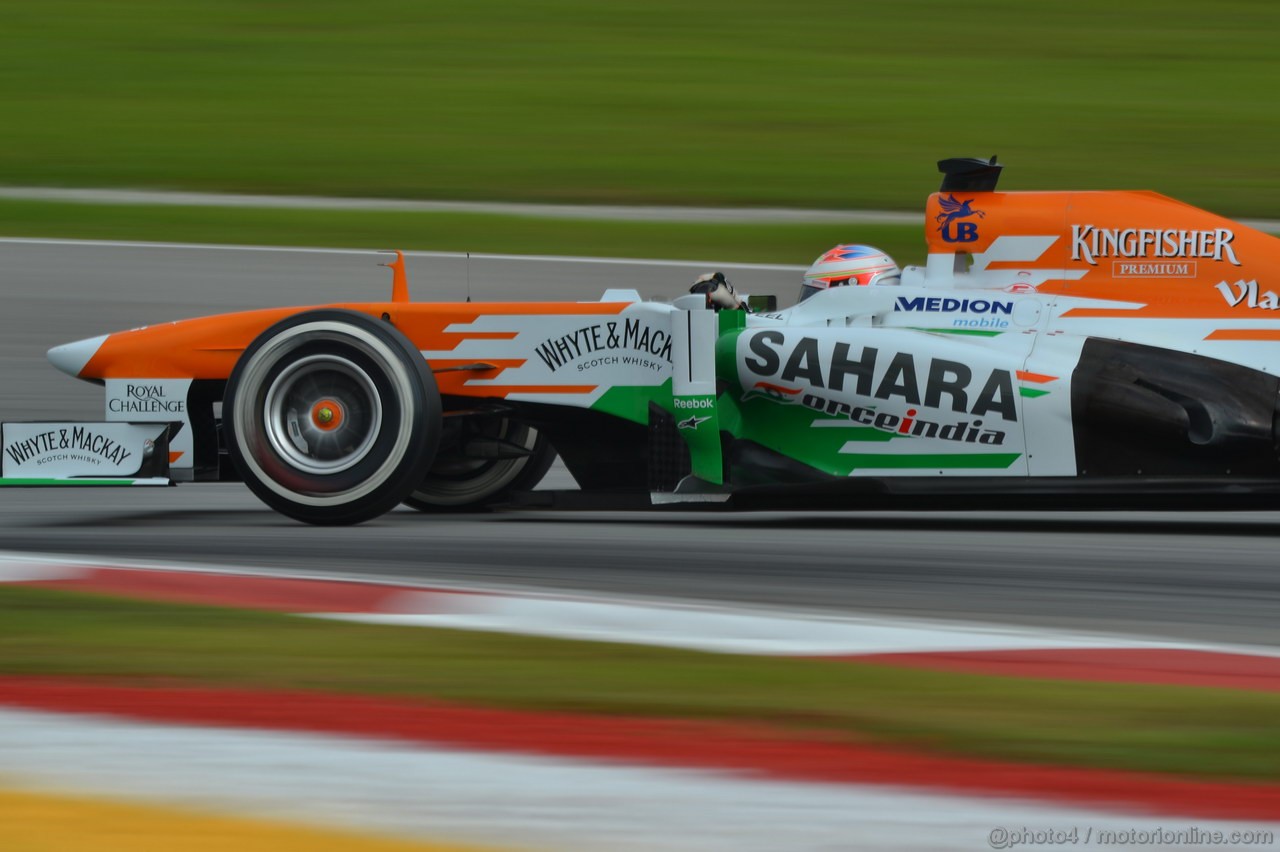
(767, 304)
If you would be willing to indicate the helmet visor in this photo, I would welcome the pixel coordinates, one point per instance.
(813, 286)
(881, 277)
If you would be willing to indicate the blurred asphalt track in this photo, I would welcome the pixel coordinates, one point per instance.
(1201, 576)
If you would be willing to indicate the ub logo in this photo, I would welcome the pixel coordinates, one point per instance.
(952, 230)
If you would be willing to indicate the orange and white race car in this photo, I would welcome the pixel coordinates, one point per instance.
(1058, 348)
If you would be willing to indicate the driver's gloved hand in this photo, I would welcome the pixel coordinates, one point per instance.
(718, 290)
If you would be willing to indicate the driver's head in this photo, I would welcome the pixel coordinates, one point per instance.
(853, 265)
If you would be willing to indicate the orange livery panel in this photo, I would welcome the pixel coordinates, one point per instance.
(1162, 258)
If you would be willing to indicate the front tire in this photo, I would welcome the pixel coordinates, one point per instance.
(331, 417)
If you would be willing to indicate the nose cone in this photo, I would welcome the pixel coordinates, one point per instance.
(70, 358)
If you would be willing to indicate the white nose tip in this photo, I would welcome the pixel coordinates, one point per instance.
(70, 358)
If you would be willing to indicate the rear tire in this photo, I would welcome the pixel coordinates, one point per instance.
(331, 417)
(457, 483)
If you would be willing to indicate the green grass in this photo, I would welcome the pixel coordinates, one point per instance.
(811, 102)
(791, 244)
(1192, 731)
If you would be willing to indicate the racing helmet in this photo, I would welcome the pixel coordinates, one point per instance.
(853, 265)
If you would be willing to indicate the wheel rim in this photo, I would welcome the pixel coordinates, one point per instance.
(322, 414)
(357, 481)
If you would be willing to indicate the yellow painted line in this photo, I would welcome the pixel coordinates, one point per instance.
(40, 822)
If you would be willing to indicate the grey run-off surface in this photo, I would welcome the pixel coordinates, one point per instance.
(1206, 576)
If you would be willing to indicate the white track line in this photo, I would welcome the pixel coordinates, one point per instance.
(524, 258)
(739, 631)
(610, 212)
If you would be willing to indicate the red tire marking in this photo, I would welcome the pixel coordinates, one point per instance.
(280, 594)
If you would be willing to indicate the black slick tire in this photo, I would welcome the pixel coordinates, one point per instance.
(331, 417)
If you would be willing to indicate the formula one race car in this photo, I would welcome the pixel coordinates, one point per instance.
(1058, 348)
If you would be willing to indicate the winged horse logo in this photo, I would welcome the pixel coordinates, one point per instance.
(953, 209)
